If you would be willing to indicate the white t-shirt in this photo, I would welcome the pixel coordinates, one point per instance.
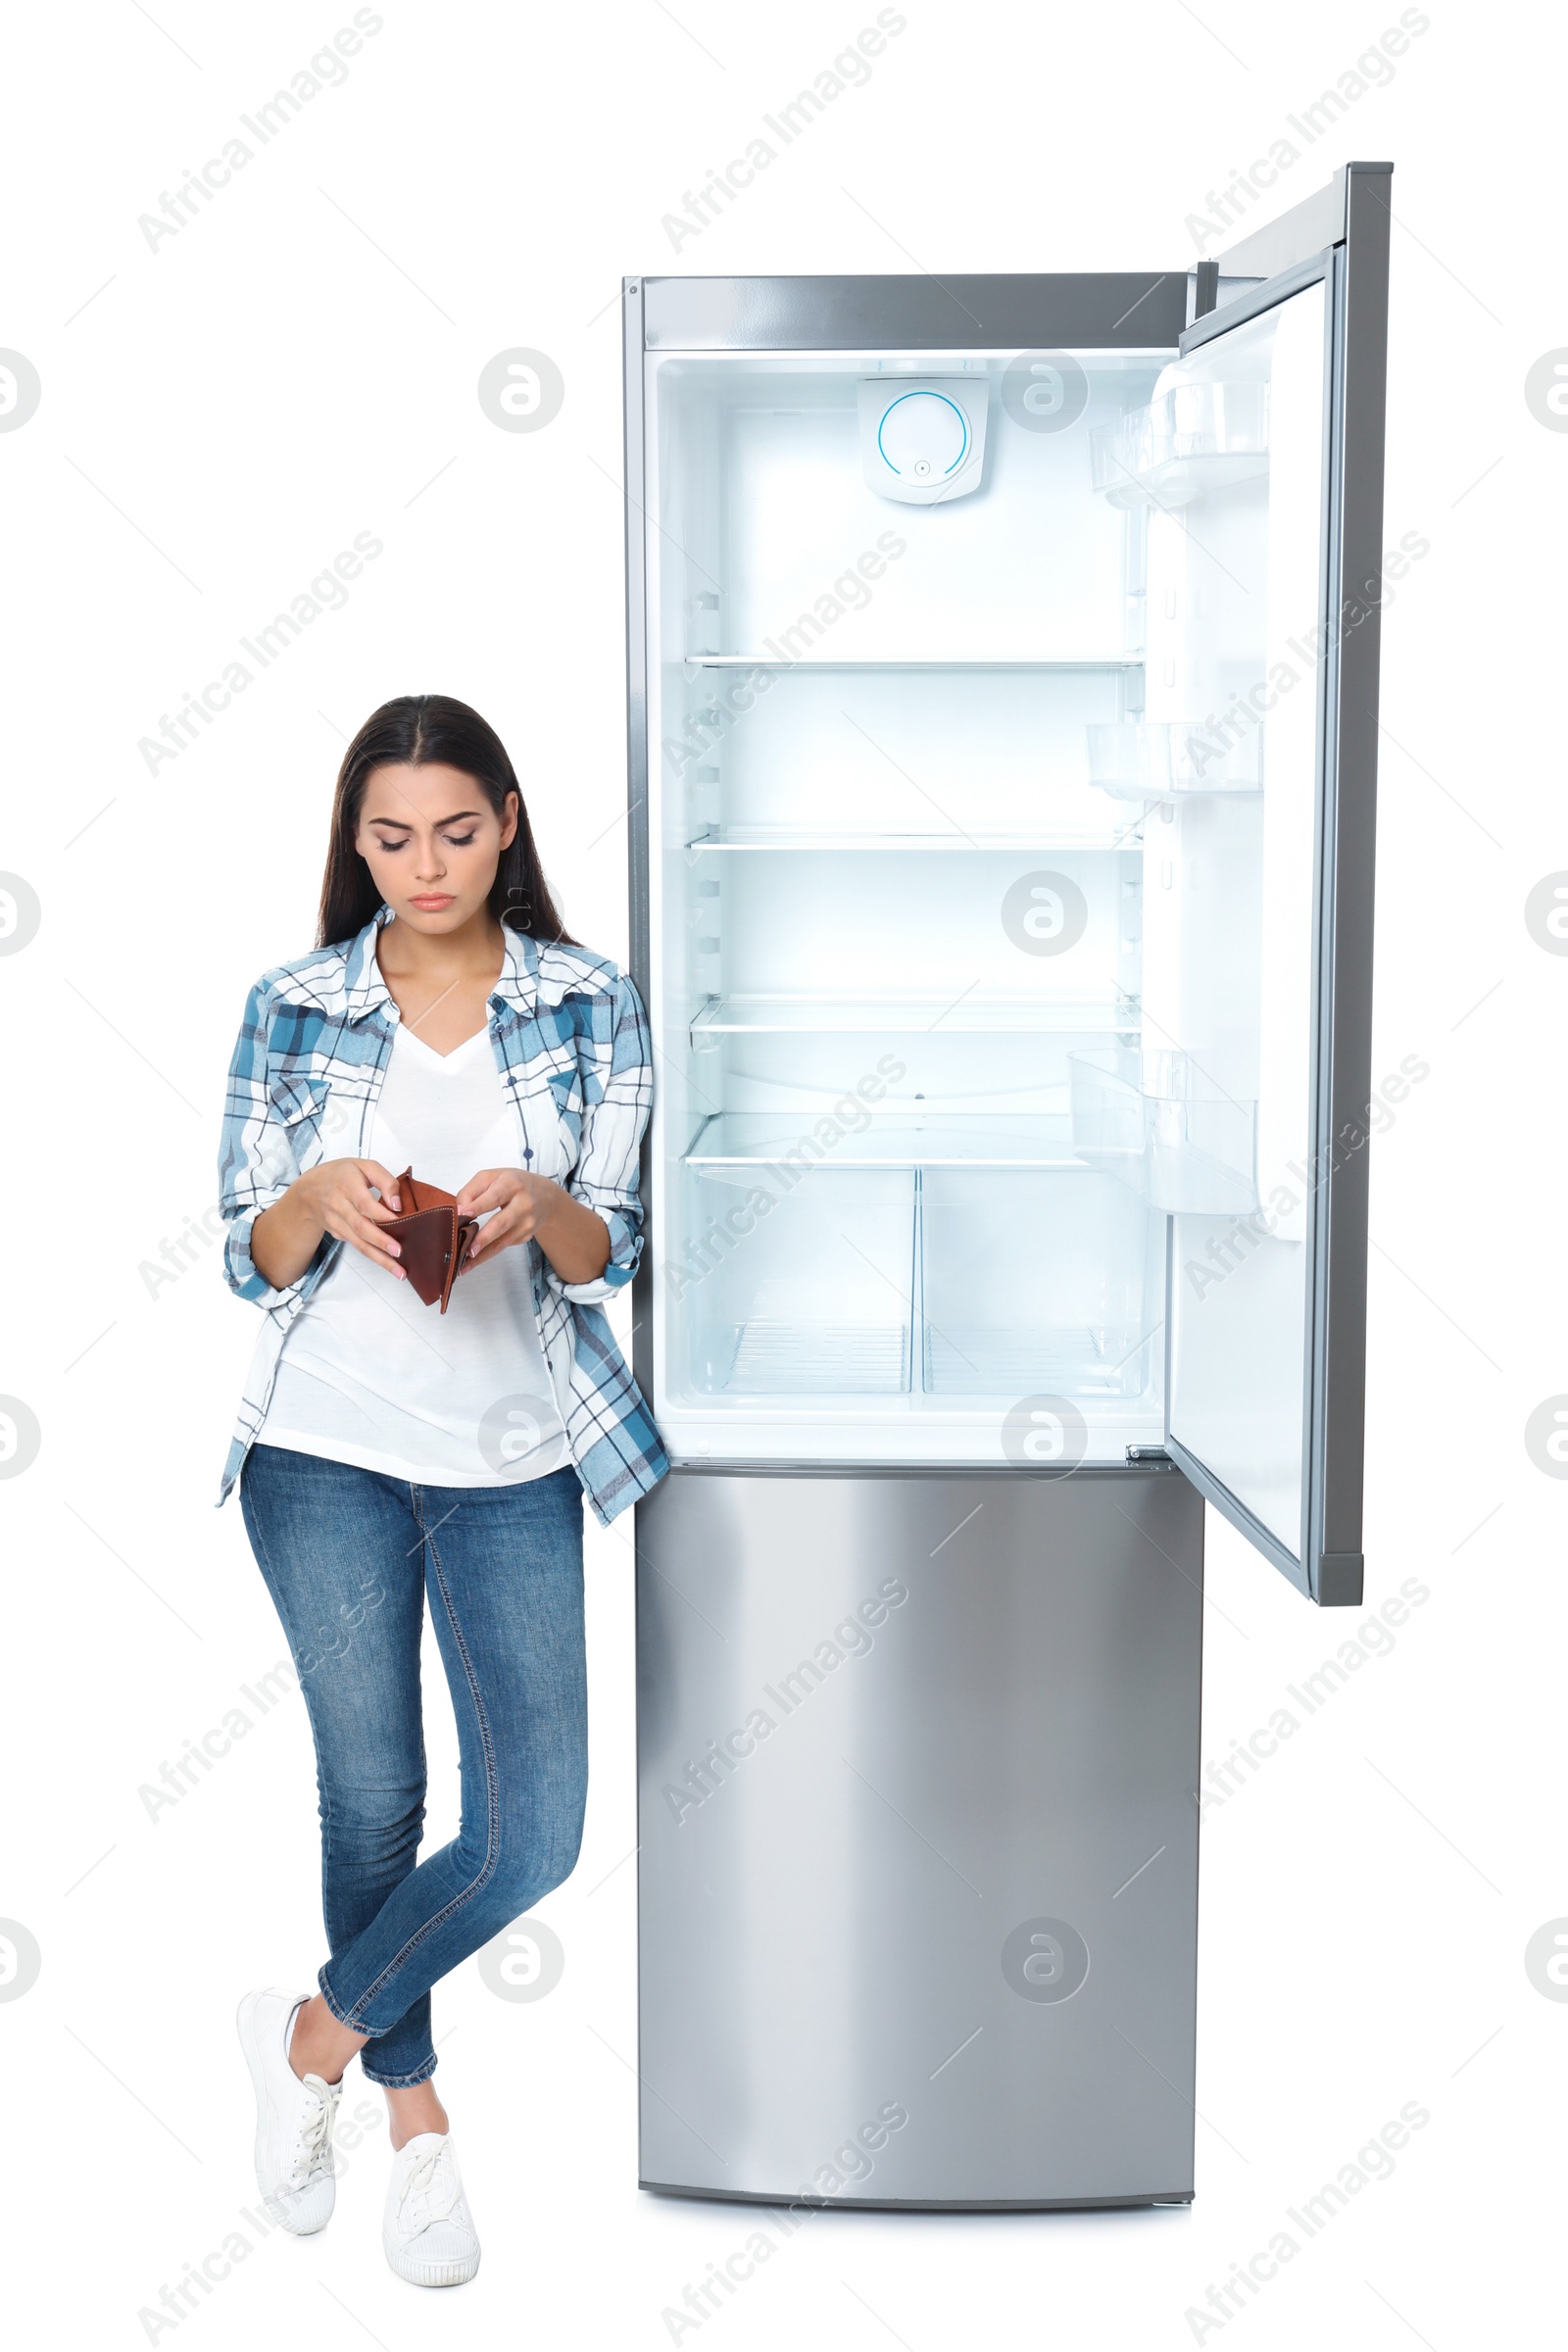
(373, 1376)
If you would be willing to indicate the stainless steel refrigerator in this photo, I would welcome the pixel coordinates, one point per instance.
(1003, 683)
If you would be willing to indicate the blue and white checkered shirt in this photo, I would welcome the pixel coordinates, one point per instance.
(571, 1044)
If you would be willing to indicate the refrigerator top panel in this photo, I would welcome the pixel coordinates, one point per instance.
(1134, 309)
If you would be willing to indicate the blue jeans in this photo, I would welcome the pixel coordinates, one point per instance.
(349, 1556)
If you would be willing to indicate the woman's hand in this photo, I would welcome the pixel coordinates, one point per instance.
(526, 1209)
(337, 1198)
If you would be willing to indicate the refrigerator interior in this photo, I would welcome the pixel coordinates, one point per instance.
(957, 897)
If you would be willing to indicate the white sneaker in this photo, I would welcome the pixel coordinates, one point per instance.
(427, 2233)
(294, 2165)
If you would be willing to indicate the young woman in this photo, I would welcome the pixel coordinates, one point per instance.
(387, 1451)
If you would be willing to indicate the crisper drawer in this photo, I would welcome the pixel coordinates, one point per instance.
(1036, 1282)
(795, 1283)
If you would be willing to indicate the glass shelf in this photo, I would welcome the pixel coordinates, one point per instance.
(1195, 439)
(1158, 1124)
(1159, 759)
(785, 837)
(893, 1016)
(1122, 660)
(944, 1139)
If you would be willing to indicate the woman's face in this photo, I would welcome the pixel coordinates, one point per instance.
(432, 842)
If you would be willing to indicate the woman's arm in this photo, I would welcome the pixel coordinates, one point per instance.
(589, 1229)
(335, 1197)
(256, 1164)
(276, 1218)
(616, 1063)
(573, 1237)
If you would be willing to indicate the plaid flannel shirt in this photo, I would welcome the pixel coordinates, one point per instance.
(571, 1044)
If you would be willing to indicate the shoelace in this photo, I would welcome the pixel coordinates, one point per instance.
(313, 2153)
(421, 2180)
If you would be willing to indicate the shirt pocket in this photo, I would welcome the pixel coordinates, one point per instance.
(299, 1105)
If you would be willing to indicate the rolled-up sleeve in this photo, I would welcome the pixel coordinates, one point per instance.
(617, 1092)
(255, 1162)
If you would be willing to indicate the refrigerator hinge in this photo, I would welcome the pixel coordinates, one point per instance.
(1148, 1457)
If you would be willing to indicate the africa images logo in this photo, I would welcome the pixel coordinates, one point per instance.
(19, 1959)
(1044, 1960)
(19, 914)
(19, 1437)
(1045, 1433)
(20, 390)
(525, 1962)
(521, 390)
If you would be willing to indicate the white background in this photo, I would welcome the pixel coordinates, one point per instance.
(299, 365)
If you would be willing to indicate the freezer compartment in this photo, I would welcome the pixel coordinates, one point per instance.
(794, 1282)
(917, 1836)
(1036, 1283)
(1165, 1129)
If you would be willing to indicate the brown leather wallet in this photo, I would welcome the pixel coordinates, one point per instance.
(433, 1238)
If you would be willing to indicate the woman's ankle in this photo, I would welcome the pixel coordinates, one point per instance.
(412, 2108)
(319, 2044)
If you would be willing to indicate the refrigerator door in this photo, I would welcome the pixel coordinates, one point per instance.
(1261, 454)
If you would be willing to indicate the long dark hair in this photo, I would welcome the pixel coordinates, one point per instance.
(429, 730)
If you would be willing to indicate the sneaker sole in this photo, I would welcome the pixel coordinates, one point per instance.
(455, 2273)
(245, 2020)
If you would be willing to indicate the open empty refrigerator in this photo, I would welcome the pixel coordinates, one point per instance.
(1001, 652)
